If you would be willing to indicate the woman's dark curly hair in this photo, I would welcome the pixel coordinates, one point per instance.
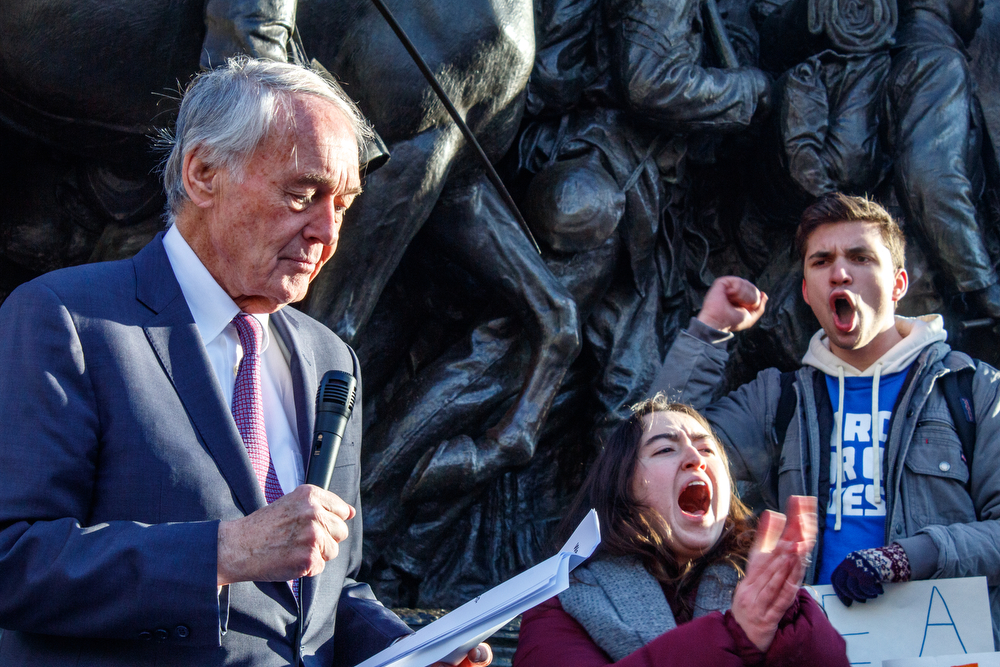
(629, 528)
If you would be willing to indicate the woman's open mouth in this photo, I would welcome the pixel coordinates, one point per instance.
(696, 498)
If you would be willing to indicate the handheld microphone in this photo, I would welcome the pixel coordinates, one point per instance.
(334, 404)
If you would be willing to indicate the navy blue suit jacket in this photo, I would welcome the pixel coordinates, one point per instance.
(118, 459)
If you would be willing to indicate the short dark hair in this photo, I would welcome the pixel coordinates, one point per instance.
(629, 528)
(837, 207)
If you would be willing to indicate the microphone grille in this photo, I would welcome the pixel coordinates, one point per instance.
(339, 391)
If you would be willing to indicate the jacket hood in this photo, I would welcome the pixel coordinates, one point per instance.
(917, 333)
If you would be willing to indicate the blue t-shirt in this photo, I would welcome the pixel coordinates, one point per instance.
(862, 521)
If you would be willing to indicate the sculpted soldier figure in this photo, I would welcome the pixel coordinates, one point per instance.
(936, 138)
(649, 98)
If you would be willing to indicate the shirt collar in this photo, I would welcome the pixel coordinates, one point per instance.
(211, 307)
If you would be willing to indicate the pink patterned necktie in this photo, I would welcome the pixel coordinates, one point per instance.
(248, 411)
(248, 406)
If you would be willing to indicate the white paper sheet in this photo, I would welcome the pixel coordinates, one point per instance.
(452, 636)
(936, 617)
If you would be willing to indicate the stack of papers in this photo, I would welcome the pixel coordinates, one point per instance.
(451, 637)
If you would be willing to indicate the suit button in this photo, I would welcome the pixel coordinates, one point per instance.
(145, 635)
(182, 631)
(944, 466)
(161, 634)
(899, 529)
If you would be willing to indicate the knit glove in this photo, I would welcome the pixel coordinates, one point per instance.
(861, 574)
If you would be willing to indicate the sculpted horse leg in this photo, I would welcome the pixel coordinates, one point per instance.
(474, 227)
(466, 387)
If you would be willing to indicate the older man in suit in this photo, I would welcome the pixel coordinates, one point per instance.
(154, 412)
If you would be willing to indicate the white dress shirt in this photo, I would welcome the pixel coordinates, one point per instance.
(213, 312)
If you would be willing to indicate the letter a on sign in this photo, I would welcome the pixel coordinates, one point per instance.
(939, 616)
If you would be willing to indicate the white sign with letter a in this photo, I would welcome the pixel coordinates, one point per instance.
(937, 617)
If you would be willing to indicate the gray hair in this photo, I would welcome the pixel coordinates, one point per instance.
(229, 111)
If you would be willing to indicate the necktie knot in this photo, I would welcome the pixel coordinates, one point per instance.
(250, 332)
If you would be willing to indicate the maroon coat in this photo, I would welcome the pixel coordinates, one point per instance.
(550, 636)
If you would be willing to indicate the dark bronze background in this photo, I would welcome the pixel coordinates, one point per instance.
(646, 159)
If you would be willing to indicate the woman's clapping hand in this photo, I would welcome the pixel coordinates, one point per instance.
(775, 569)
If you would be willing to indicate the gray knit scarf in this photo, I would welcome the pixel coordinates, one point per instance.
(622, 606)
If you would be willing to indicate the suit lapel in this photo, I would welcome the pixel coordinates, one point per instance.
(174, 338)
